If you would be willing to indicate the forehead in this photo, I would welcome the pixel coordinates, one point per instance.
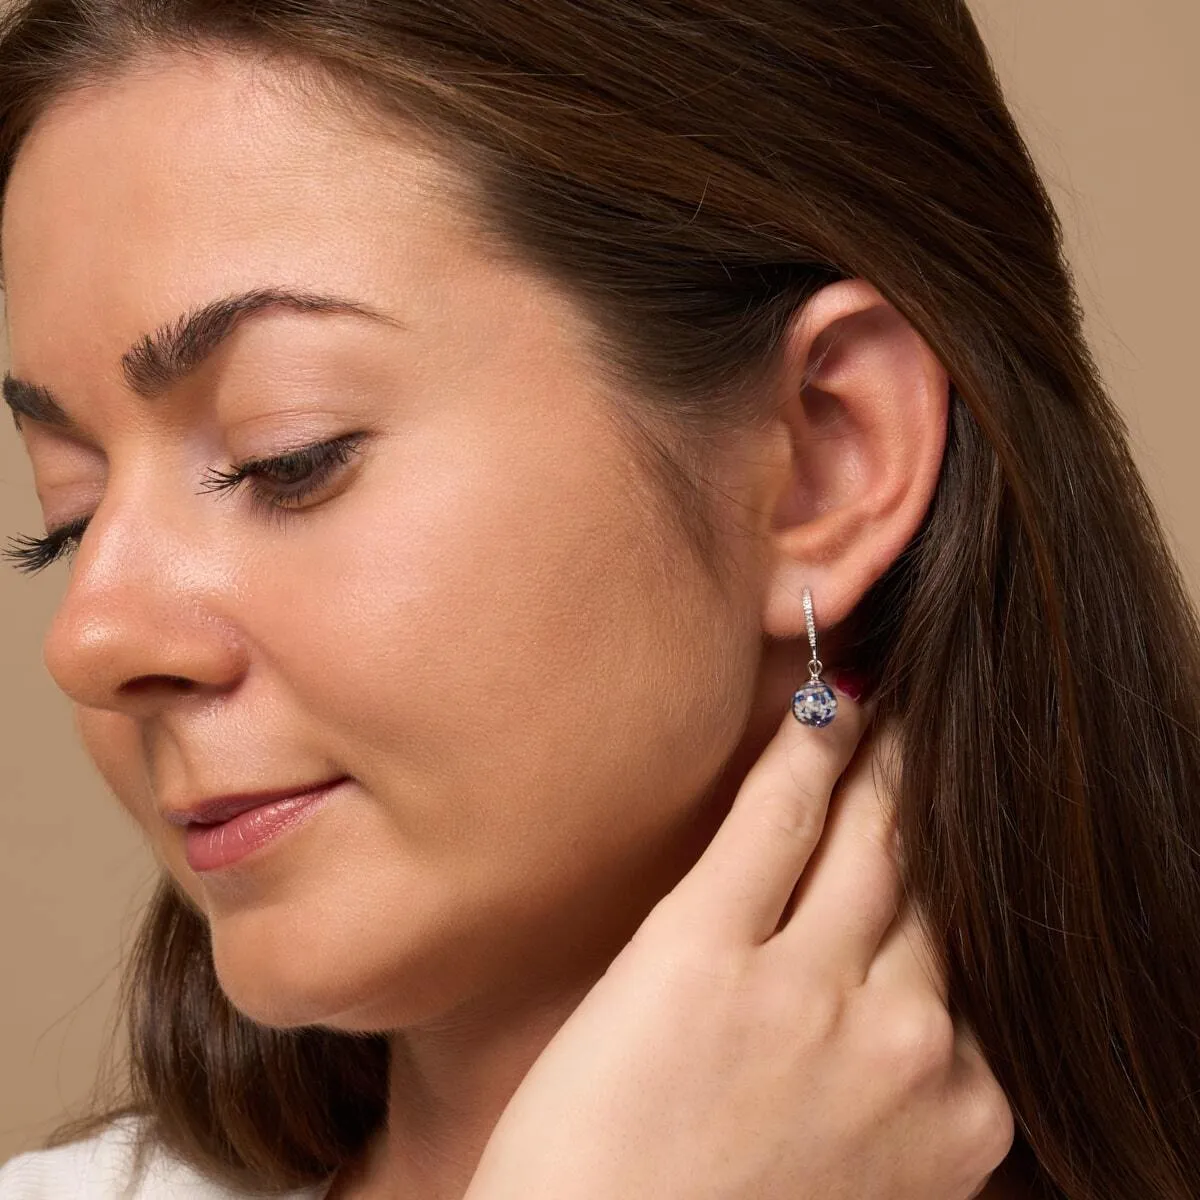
(189, 178)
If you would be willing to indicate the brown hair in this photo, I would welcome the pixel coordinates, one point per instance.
(690, 171)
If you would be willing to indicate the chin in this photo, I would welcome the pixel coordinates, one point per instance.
(279, 977)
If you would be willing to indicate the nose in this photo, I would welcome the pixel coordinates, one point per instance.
(146, 618)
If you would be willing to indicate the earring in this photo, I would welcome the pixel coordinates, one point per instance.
(815, 703)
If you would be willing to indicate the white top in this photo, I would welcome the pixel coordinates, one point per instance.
(101, 1168)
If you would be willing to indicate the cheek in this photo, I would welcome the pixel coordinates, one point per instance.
(503, 655)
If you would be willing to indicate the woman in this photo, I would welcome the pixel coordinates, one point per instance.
(532, 360)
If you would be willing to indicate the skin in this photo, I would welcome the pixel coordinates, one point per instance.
(546, 713)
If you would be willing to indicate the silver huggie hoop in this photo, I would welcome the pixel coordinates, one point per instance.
(815, 703)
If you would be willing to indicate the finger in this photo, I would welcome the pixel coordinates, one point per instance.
(978, 1100)
(850, 892)
(910, 958)
(737, 890)
(971, 1122)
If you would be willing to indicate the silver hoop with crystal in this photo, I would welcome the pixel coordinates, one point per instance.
(815, 703)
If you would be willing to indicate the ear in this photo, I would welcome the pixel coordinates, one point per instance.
(864, 404)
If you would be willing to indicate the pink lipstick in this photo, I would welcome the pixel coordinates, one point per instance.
(210, 847)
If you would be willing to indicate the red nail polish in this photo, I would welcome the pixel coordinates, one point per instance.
(853, 683)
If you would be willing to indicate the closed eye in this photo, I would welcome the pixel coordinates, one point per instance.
(279, 485)
(289, 477)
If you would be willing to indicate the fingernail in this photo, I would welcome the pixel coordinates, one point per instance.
(854, 683)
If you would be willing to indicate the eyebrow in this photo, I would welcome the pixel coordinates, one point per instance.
(160, 360)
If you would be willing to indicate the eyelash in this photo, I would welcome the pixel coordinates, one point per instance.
(315, 463)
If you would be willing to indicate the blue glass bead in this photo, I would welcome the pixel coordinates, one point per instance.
(814, 704)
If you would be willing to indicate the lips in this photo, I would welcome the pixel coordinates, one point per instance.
(212, 847)
(223, 808)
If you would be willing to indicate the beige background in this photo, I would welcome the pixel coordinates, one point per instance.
(1107, 93)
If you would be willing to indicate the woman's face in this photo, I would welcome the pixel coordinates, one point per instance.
(481, 616)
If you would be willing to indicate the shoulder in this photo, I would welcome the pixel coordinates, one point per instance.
(92, 1167)
(101, 1168)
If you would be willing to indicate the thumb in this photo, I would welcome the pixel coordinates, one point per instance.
(738, 889)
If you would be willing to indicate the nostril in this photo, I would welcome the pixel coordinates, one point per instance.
(149, 682)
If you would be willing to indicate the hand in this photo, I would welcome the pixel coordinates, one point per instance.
(777, 1028)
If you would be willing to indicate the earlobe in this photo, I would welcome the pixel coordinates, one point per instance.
(867, 402)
